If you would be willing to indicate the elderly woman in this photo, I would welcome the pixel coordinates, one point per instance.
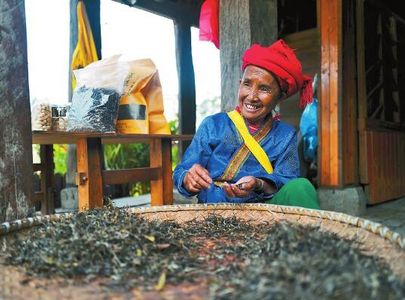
(248, 155)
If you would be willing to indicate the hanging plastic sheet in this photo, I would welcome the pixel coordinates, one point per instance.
(209, 22)
(309, 128)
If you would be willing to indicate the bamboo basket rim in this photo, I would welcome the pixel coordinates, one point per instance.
(370, 226)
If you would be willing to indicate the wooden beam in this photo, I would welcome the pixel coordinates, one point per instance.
(185, 71)
(130, 175)
(72, 42)
(188, 13)
(330, 104)
(241, 24)
(93, 14)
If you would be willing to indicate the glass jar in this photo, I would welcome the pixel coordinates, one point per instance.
(59, 117)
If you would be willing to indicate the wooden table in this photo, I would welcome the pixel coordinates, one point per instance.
(91, 177)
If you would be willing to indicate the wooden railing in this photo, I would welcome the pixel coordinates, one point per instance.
(91, 177)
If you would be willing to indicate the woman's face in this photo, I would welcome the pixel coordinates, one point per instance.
(259, 93)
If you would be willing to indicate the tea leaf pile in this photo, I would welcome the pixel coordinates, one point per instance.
(236, 259)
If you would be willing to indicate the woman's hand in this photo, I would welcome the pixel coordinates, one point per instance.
(243, 187)
(196, 179)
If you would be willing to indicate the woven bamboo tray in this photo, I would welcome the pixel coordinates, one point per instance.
(376, 240)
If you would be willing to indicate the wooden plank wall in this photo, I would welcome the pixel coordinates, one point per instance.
(385, 156)
(307, 49)
(381, 152)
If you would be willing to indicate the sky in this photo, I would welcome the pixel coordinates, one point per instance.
(132, 32)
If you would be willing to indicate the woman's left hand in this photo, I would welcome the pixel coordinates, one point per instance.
(242, 188)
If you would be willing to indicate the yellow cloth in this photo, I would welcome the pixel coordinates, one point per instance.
(85, 51)
(250, 142)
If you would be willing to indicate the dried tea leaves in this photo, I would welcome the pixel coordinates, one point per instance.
(236, 259)
(93, 110)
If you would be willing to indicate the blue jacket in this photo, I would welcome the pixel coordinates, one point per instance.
(217, 140)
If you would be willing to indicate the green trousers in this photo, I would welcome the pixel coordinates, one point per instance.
(297, 192)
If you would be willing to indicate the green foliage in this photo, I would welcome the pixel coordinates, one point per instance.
(59, 158)
(126, 156)
(208, 107)
(174, 126)
(174, 129)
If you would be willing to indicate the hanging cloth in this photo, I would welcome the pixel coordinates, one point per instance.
(209, 22)
(85, 51)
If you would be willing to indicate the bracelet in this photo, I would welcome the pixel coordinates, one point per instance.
(260, 188)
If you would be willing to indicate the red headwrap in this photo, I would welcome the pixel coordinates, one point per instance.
(280, 60)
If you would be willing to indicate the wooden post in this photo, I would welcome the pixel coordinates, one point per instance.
(350, 150)
(93, 13)
(330, 137)
(361, 90)
(242, 23)
(185, 70)
(47, 182)
(156, 160)
(89, 176)
(167, 169)
(16, 188)
(73, 42)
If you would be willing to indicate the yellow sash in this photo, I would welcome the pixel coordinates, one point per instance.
(250, 142)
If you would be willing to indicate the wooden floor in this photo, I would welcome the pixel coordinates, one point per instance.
(390, 214)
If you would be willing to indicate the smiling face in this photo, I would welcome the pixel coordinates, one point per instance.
(259, 93)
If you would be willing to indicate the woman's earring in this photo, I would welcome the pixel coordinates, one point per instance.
(276, 112)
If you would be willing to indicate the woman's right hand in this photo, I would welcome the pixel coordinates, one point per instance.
(196, 179)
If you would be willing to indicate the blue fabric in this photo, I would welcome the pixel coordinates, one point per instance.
(213, 146)
(309, 130)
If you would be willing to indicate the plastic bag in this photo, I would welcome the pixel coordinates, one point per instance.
(93, 110)
(137, 86)
(209, 22)
(95, 100)
(309, 130)
(141, 105)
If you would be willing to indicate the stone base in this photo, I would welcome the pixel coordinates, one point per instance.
(350, 200)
